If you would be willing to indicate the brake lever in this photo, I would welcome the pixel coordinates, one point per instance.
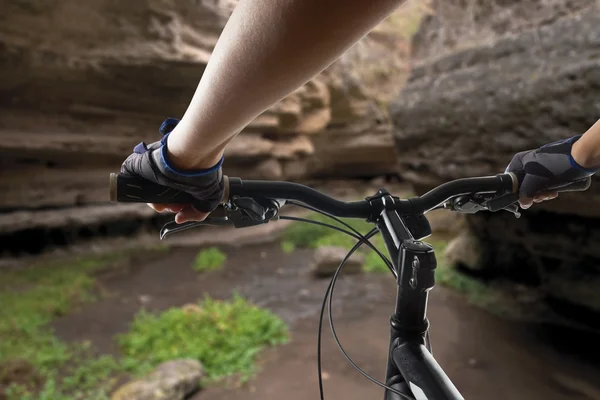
(464, 204)
(470, 205)
(173, 227)
(513, 208)
(239, 212)
(503, 202)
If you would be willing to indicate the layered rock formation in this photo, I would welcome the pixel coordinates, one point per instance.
(494, 79)
(83, 83)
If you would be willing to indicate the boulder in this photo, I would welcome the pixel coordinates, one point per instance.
(445, 221)
(88, 216)
(171, 380)
(328, 258)
(296, 169)
(454, 25)
(248, 147)
(557, 253)
(492, 80)
(468, 113)
(314, 121)
(298, 147)
(315, 94)
(465, 250)
(361, 152)
(269, 169)
(33, 231)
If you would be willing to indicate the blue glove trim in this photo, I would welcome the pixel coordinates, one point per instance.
(187, 172)
(574, 164)
(168, 125)
(166, 128)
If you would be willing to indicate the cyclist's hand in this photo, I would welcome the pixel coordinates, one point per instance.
(151, 162)
(551, 165)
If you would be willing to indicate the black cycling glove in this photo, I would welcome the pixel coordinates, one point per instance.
(550, 167)
(151, 162)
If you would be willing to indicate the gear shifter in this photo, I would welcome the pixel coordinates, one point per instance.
(251, 207)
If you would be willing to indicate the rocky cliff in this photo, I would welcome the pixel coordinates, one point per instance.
(492, 79)
(84, 82)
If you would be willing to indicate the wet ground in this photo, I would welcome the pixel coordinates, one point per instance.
(486, 357)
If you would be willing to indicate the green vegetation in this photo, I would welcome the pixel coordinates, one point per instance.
(477, 292)
(85, 377)
(35, 364)
(305, 235)
(450, 277)
(288, 247)
(374, 263)
(31, 298)
(224, 336)
(209, 259)
(35, 295)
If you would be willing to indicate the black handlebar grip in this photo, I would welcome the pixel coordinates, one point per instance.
(510, 198)
(133, 189)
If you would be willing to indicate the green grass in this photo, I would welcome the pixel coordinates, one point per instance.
(34, 296)
(476, 292)
(374, 263)
(30, 299)
(209, 259)
(224, 336)
(87, 377)
(288, 247)
(306, 235)
(450, 277)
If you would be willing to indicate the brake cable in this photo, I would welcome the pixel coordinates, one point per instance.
(357, 235)
(329, 298)
(362, 239)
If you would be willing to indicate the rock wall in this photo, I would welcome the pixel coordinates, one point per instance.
(492, 79)
(84, 82)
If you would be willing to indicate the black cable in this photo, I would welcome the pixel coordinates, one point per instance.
(337, 228)
(329, 297)
(358, 234)
(361, 239)
(328, 293)
(357, 237)
(319, 366)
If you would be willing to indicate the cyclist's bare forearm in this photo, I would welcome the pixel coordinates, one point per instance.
(267, 50)
(586, 151)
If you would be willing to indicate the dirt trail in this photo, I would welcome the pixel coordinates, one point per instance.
(487, 358)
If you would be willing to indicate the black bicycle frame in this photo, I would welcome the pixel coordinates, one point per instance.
(411, 368)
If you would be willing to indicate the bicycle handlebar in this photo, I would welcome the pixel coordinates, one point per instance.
(124, 188)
